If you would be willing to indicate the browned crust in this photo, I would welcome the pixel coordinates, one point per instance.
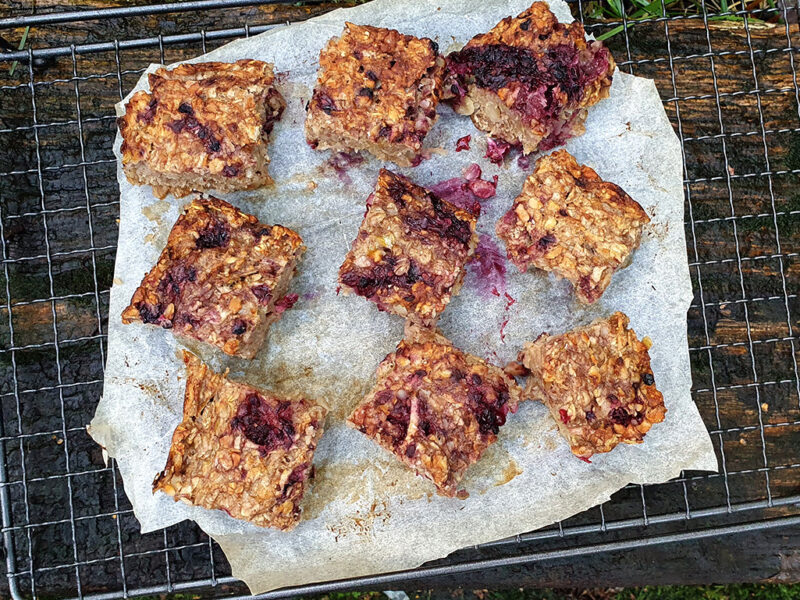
(537, 32)
(409, 254)
(569, 221)
(220, 279)
(202, 126)
(436, 408)
(377, 90)
(212, 463)
(536, 29)
(597, 383)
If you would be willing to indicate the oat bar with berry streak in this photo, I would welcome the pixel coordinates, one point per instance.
(410, 251)
(221, 279)
(377, 90)
(242, 450)
(201, 126)
(435, 407)
(569, 221)
(597, 383)
(530, 80)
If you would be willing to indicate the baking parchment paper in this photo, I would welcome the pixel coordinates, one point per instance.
(366, 513)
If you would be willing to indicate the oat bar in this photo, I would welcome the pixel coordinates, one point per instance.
(202, 126)
(597, 383)
(221, 279)
(410, 251)
(530, 80)
(377, 90)
(241, 449)
(569, 221)
(436, 408)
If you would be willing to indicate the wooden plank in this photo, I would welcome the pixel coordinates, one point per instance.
(771, 556)
(722, 357)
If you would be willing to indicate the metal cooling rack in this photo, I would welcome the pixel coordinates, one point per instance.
(68, 530)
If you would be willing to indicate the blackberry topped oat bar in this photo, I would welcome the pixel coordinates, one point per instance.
(241, 450)
(221, 279)
(435, 407)
(597, 382)
(377, 90)
(530, 79)
(410, 251)
(202, 126)
(569, 221)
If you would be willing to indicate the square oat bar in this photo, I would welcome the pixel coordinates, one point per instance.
(530, 80)
(410, 251)
(436, 408)
(377, 90)
(569, 221)
(597, 382)
(221, 279)
(202, 126)
(241, 450)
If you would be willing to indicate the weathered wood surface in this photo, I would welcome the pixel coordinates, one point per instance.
(770, 556)
(725, 351)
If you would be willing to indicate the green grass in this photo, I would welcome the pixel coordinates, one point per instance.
(714, 592)
(613, 9)
(635, 10)
(703, 592)
(755, 591)
(745, 591)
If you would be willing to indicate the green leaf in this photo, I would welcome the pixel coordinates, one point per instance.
(616, 7)
(647, 10)
(654, 7)
(610, 33)
(21, 47)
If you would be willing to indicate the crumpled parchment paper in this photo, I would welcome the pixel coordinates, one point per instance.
(366, 513)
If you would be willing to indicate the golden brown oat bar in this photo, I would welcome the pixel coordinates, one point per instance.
(377, 90)
(597, 382)
(569, 221)
(221, 279)
(202, 126)
(410, 251)
(241, 450)
(530, 79)
(436, 408)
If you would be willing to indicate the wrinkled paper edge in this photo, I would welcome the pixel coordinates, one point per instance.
(704, 459)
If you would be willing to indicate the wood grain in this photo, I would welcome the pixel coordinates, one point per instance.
(742, 327)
